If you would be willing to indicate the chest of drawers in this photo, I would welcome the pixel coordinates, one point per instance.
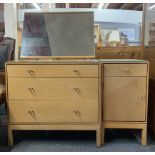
(61, 96)
(77, 95)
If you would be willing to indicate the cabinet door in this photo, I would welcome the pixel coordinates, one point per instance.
(125, 98)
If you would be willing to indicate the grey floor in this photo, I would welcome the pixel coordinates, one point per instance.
(63, 141)
(73, 141)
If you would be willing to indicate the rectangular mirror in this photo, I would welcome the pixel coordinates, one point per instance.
(58, 34)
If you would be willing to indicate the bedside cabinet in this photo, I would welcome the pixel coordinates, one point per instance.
(54, 96)
(125, 95)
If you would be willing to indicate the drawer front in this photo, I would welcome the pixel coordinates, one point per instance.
(125, 98)
(52, 111)
(125, 70)
(52, 70)
(53, 89)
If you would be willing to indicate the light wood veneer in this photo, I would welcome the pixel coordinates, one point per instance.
(57, 95)
(125, 96)
(77, 95)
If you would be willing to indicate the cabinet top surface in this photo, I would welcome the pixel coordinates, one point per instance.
(77, 61)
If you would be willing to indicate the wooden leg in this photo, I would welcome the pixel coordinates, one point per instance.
(103, 134)
(99, 137)
(10, 137)
(144, 135)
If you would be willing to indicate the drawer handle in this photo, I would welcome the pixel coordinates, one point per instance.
(32, 113)
(126, 71)
(77, 90)
(76, 72)
(31, 72)
(32, 91)
(77, 113)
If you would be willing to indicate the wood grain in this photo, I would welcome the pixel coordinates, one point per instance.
(52, 70)
(125, 70)
(125, 98)
(53, 111)
(53, 89)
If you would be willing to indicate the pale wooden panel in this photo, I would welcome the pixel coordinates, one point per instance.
(125, 98)
(53, 88)
(52, 70)
(53, 111)
(54, 126)
(125, 70)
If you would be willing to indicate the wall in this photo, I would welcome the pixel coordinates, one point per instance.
(103, 15)
(110, 18)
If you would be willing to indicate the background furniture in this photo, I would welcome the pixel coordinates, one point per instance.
(54, 95)
(7, 48)
(125, 95)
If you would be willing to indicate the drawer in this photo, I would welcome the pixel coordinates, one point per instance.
(53, 88)
(52, 111)
(125, 70)
(52, 70)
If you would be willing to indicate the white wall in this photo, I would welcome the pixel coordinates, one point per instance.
(10, 19)
(103, 15)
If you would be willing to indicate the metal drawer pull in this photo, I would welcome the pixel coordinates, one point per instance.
(32, 91)
(31, 72)
(32, 113)
(77, 113)
(77, 90)
(126, 71)
(76, 72)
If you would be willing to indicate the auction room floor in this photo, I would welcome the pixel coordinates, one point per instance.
(115, 140)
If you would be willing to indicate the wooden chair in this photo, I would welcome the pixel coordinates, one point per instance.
(7, 49)
(2, 88)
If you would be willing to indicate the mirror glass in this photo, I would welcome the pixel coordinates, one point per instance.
(58, 34)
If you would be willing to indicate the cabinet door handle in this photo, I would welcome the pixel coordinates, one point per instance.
(76, 72)
(77, 113)
(141, 98)
(77, 90)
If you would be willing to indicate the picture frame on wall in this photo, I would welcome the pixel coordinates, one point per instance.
(96, 33)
